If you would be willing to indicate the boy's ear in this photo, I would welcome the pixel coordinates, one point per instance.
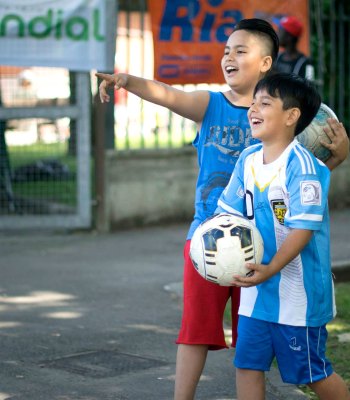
(266, 64)
(293, 116)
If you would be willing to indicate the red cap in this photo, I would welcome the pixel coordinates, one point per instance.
(291, 25)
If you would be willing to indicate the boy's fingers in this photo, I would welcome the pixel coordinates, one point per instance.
(327, 145)
(103, 93)
(107, 81)
(104, 98)
(106, 77)
(334, 123)
(242, 282)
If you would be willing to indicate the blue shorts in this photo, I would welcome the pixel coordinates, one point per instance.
(299, 351)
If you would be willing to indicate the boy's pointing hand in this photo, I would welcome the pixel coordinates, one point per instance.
(110, 81)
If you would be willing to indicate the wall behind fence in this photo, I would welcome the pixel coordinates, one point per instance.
(148, 187)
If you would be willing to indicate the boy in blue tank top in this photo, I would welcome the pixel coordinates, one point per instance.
(287, 302)
(223, 133)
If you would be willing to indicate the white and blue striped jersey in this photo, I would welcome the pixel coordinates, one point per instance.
(290, 192)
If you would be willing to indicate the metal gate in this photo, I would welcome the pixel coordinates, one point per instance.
(45, 157)
(139, 124)
(329, 28)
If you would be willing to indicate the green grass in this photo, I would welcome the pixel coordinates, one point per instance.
(51, 191)
(338, 352)
(20, 155)
(60, 191)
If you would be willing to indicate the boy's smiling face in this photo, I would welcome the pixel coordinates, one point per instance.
(245, 60)
(267, 118)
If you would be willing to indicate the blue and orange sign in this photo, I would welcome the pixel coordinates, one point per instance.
(190, 35)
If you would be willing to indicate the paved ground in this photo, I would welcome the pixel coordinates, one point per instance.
(86, 316)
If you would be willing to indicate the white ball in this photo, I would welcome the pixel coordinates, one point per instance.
(222, 245)
(311, 136)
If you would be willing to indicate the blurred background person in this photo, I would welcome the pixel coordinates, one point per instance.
(291, 59)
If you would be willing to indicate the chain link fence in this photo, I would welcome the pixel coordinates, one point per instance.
(38, 170)
(39, 147)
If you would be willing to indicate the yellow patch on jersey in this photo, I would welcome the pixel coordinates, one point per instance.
(279, 209)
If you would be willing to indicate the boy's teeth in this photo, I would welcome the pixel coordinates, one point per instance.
(230, 69)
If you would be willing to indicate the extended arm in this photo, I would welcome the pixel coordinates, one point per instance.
(339, 145)
(191, 105)
(291, 247)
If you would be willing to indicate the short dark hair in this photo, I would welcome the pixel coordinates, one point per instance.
(294, 91)
(261, 28)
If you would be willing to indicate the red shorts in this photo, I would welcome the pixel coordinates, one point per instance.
(204, 304)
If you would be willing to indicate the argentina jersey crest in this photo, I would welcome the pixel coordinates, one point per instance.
(279, 209)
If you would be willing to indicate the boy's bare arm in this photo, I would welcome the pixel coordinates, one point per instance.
(339, 145)
(191, 105)
(291, 248)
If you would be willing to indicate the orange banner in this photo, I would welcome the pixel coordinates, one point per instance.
(189, 35)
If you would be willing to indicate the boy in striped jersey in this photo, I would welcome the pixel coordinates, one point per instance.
(287, 302)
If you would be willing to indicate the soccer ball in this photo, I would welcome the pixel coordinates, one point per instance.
(312, 134)
(221, 246)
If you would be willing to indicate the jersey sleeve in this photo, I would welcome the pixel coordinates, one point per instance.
(307, 184)
(232, 198)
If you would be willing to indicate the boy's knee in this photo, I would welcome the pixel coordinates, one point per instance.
(250, 384)
(330, 388)
(250, 375)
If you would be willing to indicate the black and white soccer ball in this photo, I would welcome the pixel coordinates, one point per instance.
(311, 136)
(222, 245)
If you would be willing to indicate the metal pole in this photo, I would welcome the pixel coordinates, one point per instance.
(341, 63)
(103, 130)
